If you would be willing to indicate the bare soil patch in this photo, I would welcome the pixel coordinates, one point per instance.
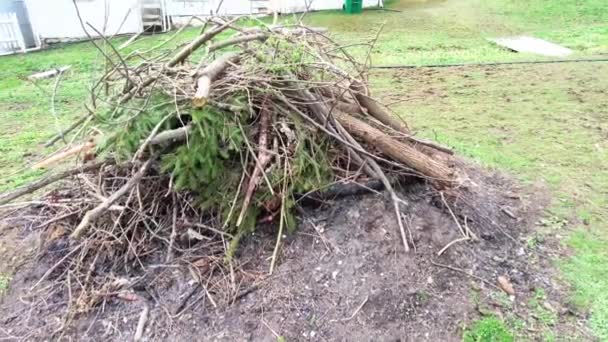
(342, 275)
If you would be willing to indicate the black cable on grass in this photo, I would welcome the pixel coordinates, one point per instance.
(411, 66)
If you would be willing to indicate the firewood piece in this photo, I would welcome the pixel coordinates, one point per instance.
(49, 73)
(376, 110)
(350, 108)
(438, 172)
(171, 136)
(208, 75)
(82, 148)
(238, 40)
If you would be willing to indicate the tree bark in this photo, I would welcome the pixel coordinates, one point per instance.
(208, 75)
(381, 114)
(238, 40)
(376, 110)
(171, 136)
(438, 172)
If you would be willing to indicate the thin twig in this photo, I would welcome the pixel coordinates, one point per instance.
(466, 238)
(95, 213)
(452, 268)
(462, 231)
(281, 222)
(39, 184)
(357, 310)
(141, 324)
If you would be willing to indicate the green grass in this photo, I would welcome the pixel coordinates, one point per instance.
(4, 283)
(588, 271)
(26, 120)
(546, 123)
(452, 31)
(489, 329)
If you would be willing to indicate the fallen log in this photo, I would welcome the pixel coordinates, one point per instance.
(56, 158)
(436, 171)
(376, 110)
(238, 40)
(49, 73)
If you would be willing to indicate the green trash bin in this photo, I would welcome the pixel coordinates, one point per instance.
(353, 6)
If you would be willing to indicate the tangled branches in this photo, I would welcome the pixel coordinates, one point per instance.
(209, 140)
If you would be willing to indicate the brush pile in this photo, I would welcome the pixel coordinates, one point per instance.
(187, 151)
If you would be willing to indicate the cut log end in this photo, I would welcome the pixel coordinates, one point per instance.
(199, 102)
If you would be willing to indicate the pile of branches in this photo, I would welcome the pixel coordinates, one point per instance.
(187, 151)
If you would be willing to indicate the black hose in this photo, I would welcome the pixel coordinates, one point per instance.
(411, 66)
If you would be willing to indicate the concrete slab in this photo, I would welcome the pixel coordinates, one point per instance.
(532, 45)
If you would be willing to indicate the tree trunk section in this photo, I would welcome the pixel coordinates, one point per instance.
(208, 75)
(438, 172)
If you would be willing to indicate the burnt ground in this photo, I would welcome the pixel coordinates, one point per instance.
(343, 275)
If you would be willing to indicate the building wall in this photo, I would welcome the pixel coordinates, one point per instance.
(289, 6)
(205, 7)
(234, 7)
(57, 19)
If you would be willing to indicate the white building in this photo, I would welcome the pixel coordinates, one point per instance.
(26, 24)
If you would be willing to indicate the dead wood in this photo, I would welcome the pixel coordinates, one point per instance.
(220, 146)
(382, 114)
(237, 40)
(376, 110)
(208, 75)
(95, 213)
(60, 156)
(171, 136)
(48, 180)
(176, 59)
(436, 171)
(198, 42)
(264, 157)
(49, 73)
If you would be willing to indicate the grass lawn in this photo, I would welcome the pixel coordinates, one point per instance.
(451, 31)
(540, 122)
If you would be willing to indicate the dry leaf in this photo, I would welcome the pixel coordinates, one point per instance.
(506, 285)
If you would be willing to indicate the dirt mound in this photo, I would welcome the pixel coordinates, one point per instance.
(342, 275)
